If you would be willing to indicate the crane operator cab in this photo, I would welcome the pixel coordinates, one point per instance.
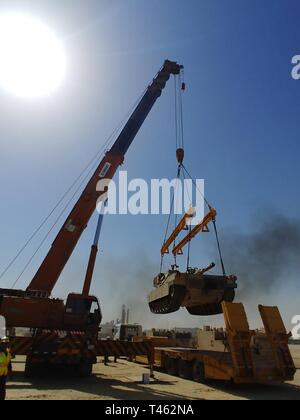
(82, 312)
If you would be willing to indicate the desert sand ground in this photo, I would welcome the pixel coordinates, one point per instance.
(122, 381)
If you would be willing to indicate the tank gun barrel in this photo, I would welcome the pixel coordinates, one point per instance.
(205, 270)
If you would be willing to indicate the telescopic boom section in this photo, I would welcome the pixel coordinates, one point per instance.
(92, 259)
(68, 237)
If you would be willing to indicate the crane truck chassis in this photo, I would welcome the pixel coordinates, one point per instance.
(74, 349)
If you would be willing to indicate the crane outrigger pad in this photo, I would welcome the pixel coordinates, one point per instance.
(200, 294)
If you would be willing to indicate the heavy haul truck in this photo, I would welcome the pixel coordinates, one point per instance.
(68, 332)
(235, 354)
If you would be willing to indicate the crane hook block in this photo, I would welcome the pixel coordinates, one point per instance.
(180, 155)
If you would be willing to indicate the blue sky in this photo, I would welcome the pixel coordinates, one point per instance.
(241, 118)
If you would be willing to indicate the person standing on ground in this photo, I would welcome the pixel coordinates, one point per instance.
(5, 366)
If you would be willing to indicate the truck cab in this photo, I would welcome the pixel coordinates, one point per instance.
(82, 312)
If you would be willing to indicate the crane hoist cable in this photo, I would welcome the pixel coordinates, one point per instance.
(189, 252)
(172, 208)
(196, 186)
(214, 223)
(180, 87)
(179, 168)
(181, 90)
(179, 123)
(176, 113)
(219, 248)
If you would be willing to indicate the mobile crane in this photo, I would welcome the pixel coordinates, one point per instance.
(34, 308)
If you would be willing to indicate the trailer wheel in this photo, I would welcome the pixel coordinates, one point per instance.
(85, 368)
(185, 369)
(199, 372)
(172, 366)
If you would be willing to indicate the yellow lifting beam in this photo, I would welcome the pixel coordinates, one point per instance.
(182, 225)
(201, 227)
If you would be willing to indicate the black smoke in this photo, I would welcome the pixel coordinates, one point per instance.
(265, 259)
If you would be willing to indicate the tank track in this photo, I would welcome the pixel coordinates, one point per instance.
(212, 309)
(170, 303)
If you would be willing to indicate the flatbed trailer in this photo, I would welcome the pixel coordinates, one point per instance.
(248, 356)
(75, 349)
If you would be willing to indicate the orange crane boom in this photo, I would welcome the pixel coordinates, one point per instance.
(69, 235)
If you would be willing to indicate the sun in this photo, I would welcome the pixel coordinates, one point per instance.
(32, 59)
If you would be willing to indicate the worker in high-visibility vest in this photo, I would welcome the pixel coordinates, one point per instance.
(5, 366)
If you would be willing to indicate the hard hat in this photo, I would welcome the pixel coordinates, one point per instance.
(4, 340)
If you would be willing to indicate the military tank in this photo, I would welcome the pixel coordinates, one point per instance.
(200, 293)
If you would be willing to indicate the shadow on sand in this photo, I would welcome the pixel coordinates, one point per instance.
(102, 386)
(97, 386)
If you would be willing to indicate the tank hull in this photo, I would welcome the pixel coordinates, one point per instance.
(200, 294)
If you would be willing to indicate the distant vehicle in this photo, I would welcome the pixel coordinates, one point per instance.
(107, 331)
(126, 332)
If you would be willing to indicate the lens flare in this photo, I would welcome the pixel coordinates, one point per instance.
(32, 59)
